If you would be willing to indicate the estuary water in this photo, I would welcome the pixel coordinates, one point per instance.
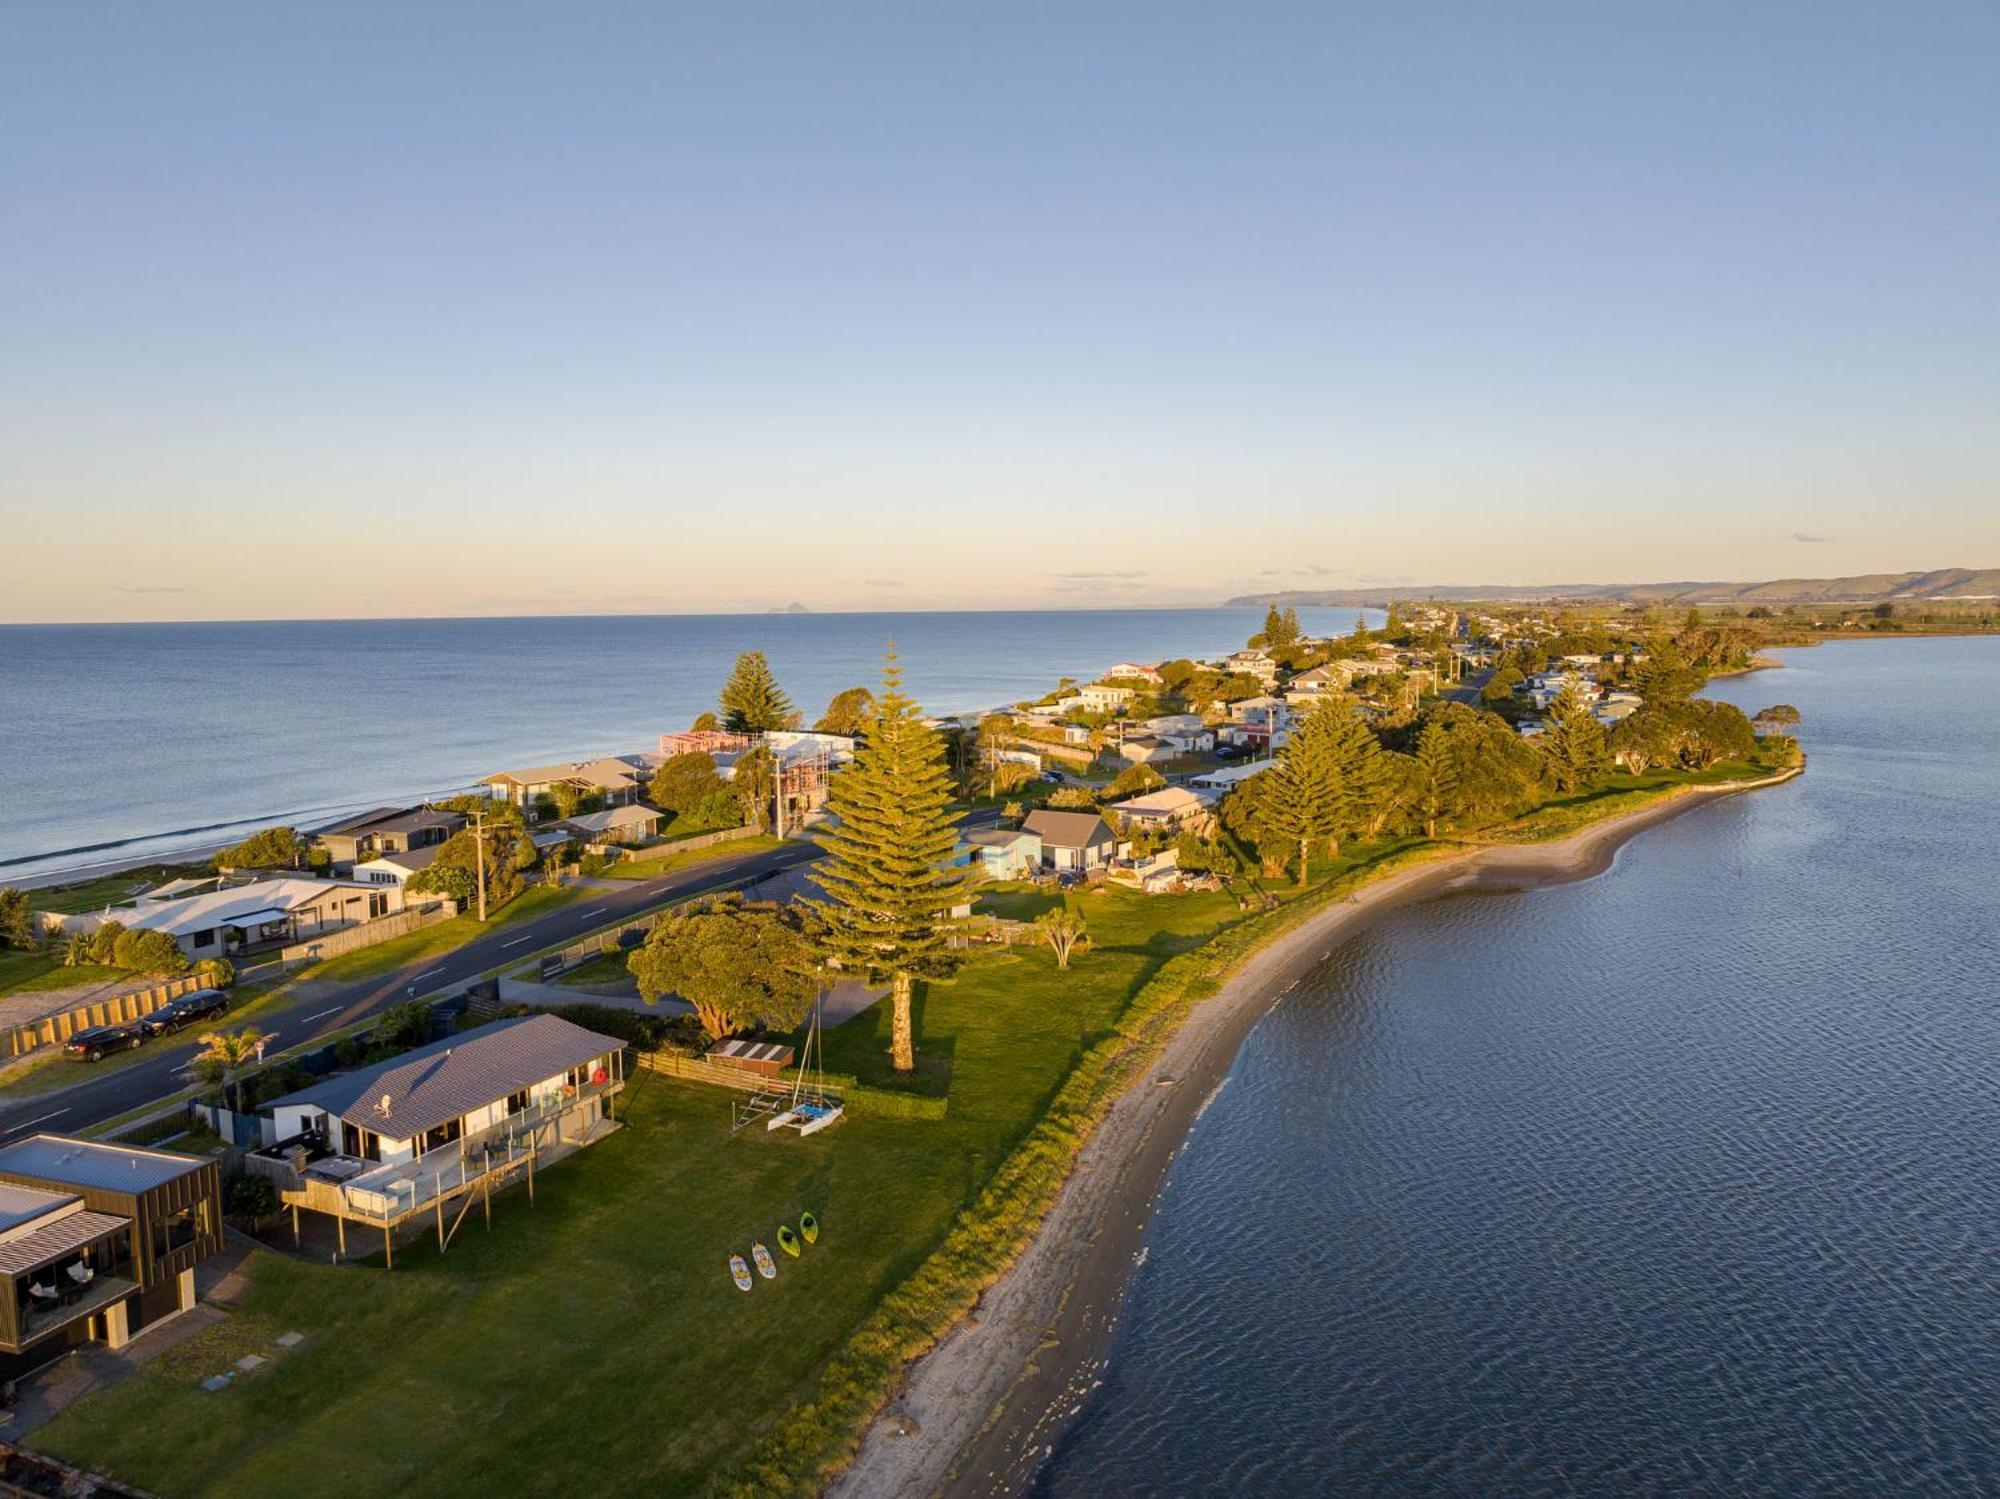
(1680, 1180)
(131, 741)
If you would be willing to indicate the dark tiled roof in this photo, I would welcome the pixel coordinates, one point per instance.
(435, 1084)
(93, 1163)
(1068, 829)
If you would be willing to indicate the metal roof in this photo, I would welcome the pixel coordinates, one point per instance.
(237, 905)
(1068, 829)
(437, 1083)
(93, 1163)
(20, 1205)
(33, 1250)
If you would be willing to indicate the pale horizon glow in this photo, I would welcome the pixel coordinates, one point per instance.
(391, 311)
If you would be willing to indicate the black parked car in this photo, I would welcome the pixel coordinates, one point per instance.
(203, 1004)
(94, 1044)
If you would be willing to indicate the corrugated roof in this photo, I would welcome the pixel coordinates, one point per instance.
(261, 900)
(64, 1236)
(20, 1205)
(93, 1163)
(1068, 829)
(437, 1083)
(996, 837)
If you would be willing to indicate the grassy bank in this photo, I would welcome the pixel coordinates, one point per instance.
(647, 868)
(605, 1309)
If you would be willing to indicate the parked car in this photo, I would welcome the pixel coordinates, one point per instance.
(93, 1044)
(203, 1004)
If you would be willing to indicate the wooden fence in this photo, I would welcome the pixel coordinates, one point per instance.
(368, 933)
(53, 1030)
(667, 850)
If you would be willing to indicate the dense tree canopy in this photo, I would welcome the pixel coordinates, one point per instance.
(1574, 753)
(267, 848)
(847, 713)
(17, 922)
(687, 785)
(739, 965)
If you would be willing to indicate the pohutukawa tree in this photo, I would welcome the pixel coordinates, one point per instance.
(890, 891)
(752, 701)
(738, 964)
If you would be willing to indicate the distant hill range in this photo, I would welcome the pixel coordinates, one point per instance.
(1944, 583)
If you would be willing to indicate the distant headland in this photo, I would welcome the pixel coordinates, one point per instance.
(1942, 584)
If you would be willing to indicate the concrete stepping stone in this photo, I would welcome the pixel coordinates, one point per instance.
(291, 1339)
(251, 1361)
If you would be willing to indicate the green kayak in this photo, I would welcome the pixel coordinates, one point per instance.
(809, 1226)
(787, 1240)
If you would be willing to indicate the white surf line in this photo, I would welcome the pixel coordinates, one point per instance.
(30, 1123)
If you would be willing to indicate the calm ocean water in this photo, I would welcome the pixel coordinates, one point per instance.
(1676, 1181)
(156, 737)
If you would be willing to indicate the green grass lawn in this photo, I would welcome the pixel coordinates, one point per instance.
(596, 1337)
(444, 937)
(28, 972)
(644, 868)
(606, 1309)
(109, 889)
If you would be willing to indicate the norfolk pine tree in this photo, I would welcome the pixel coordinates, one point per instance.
(752, 701)
(890, 894)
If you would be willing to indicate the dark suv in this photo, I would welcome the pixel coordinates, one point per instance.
(203, 1004)
(93, 1044)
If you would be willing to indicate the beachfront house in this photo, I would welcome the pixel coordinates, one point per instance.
(386, 830)
(97, 1241)
(395, 869)
(1096, 697)
(614, 825)
(1252, 663)
(1143, 671)
(999, 853)
(618, 779)
(262, 914)
(1072, 842)
(1171, 809)
(383, 1145)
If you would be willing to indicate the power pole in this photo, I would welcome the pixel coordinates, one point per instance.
(479, 855)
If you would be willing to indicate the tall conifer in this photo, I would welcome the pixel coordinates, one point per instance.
(890, 893)
(752, 701)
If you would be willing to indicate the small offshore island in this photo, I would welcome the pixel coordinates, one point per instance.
(1144, 858)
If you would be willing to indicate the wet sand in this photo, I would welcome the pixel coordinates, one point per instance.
(978, 1413)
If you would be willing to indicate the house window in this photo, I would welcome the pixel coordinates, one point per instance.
(176, 1231)
(443, 1135)
(363, 1144)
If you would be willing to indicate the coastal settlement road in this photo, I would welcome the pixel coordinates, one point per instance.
(323, 1009)
(164, 1071)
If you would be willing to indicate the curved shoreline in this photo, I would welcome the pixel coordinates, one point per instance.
(978, 1413)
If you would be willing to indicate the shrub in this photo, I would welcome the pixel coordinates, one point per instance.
(640, 1031)
(104, 943)
(148, 952)
(250, 1198)
(217, 973)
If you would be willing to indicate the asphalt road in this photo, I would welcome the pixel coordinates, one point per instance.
(165, 1069)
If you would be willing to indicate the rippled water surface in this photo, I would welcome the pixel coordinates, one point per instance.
(1682, 1180)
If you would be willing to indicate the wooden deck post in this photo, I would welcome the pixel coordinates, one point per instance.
(440, 1208)
(487, 1193)
(531, 1175)
(388, 1250)
(295, 1225)
(340, 1233)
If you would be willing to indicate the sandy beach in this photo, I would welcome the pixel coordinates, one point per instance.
(978, 1412)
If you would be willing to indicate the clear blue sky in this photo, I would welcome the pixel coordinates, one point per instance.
(421, 308)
